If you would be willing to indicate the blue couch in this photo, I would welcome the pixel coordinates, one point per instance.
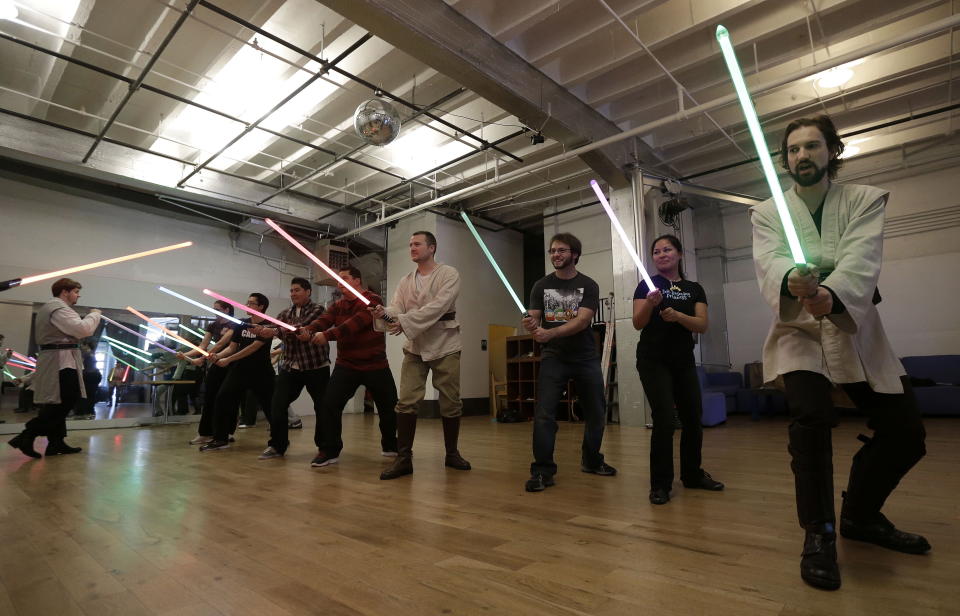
(718, 391)
(942, 397)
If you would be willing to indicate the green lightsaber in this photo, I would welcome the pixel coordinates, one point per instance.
(125, 363)
(125, 345)
(117, 347)
(496, 268)
(192, 331)
(7, 372)
(723, 37)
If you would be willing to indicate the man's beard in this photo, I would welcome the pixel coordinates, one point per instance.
(567, 260)
(808, 180)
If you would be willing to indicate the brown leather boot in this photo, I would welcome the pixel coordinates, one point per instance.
(451, 434)
(403, 463)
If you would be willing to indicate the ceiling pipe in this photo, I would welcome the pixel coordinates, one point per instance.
(256, 123)
(909, 118)
(135, 85)
(918, 33)
(315, 172)
(246, 24)
(187, 101)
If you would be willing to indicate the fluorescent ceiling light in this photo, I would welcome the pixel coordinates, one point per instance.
(850, 150)
(8, 10)
(836, 76)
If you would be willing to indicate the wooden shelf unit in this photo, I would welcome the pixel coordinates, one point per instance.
(523, 370)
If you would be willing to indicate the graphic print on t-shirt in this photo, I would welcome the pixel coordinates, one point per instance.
(561, 305)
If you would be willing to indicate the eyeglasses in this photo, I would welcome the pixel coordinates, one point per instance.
(558, 251)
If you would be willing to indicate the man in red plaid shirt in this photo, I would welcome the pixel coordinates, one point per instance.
(361, 360)
(301, 365)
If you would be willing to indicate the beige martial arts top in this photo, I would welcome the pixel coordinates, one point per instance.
(849, 347)
(419, 312)
(58, 323)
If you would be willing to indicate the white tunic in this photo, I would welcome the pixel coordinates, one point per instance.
(419, 310)
(846, 348)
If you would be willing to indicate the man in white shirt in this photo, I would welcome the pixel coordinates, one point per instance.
(57, 382)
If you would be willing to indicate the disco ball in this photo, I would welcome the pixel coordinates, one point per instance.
(376, 122)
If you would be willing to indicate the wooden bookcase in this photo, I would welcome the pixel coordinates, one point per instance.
(523, 370)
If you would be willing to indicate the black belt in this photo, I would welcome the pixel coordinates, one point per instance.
(448, 317)
(58, 347)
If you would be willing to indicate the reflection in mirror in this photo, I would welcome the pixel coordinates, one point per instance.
(126, 372)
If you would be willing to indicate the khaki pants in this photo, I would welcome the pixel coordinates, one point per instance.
(446, 379)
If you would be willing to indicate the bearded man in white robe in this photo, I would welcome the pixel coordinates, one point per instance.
(827, 332)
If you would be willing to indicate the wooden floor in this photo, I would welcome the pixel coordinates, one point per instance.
(141, 523)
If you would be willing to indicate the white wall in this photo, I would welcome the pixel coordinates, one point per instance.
(918, 281)
(42, 230)
(592, 228)
(483, 300)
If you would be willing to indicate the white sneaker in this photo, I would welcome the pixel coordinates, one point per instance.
(269, 454)
(388, 454)
(201, 440)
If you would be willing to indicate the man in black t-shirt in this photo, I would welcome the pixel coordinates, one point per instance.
(566, 302)
(248, 361)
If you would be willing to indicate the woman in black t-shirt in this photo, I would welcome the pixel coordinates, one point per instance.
(669, 316)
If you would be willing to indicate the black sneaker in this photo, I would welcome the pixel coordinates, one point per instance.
(538, 482)
(881, 531)
(604, 469)
(704, 483)
(295, 425)
(323, 459)
(214, 446)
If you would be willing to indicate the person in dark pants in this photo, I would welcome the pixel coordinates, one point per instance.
(85, 408)
(219, 333)
(57, 381)
(248, 361)
(302, 365)
(669, 316)
(562, 305)
(361, 360)
(827, 331)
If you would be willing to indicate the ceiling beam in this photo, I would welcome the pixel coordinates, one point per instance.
(442, 38)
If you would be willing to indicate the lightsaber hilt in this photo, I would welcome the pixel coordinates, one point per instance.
(9, 284)
(386, 317)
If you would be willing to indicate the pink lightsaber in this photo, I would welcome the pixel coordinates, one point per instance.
(169, 333)
(21, 365)
(246, 308)
(316, 260)
(137, 334)
(24, 359)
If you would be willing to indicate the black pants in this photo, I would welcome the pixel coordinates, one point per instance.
(212, 382)
(289, 386)
(183, 393)
(240, 377)
(342, 386)
(896, 446)
(51, 421)
(588, 380)
(672, 382)
(91, 382)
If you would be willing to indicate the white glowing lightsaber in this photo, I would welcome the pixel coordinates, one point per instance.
(155, 332)
(623, 235)
(496, 268)
(793, 240)
(23, 358)
(21, 365)
(16, 282)
(167, 331)
(199, 305)
(316, 260)
(250, 310)
(137, 334)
